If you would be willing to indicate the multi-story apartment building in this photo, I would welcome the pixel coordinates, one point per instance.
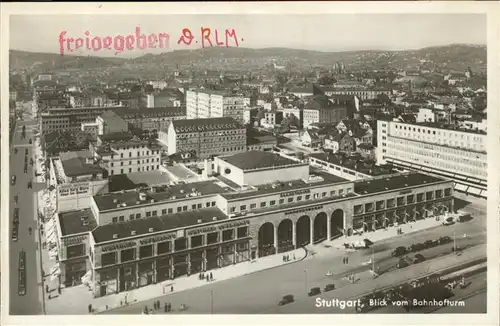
(139, 237)
(76, 177)
(122, 154)
(109, 122)
(205, 137)
(321, 109)
(152, 118)
(437, 149)
(203, 104)
(361, 93)
(70, 119)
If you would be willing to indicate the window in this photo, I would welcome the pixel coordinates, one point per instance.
(164, 247)
(323, 194)
(115, 219)
(112, 164)
(145, 251)
(179, 209)
(420, 198)
(108, 259)
(332, 193)
(308, 197)
(155, 213)
(243, 207)
(208, 204)
(400, 201)
(253, 206)
(184, 208)
(197, 241)
(170, 210)
(180, 244)
(429, 195)
(227, 235)
(131, 217)
(121, 218)
(75, 251)
(193, 206)
(138, 215)
(212, 238)
(200, 205)
(148, 214)
(263, 204)
(127, 255)
(290, 199)
(341, 192)
(164, 211)
(232, 209)
(299, 198)
(358, 209)
(242, 232)
(213, 203)
(379, 205)
(447, 192)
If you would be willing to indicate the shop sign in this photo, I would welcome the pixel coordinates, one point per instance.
(297, 192)
(202, 230)
(73, 241)
(233, 224)
(119, 246)
(304, 210)
(160, 238)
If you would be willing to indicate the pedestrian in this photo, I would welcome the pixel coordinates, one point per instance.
(46, 288)
(59, 289)
(347, 260)
(121, 303)
(293, 256)
(211, 276)
(90, 308)
(158, 304)
(106, 307)
(154, 305)
(165, 307)
(169, 307)
(146, 311)
(283, 258)
(171, 288)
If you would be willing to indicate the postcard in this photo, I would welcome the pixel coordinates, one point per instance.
(201, 163)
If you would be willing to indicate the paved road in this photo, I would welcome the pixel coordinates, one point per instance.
(260, 292)
(29, 304)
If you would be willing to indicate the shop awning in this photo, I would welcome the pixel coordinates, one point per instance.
(460, 187)
(474, 190)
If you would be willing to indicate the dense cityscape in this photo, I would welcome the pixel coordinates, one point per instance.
(198, 180)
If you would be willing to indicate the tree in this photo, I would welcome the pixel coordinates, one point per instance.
(149, 89)
(479, 103)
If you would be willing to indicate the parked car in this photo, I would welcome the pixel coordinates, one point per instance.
(14, 233)
(399, 251)
(449, 220)
(25, 151)
(314, 291)
(429, 243)
(402, 263)
(30, 141)
(22, 282)
(329, 287)
(445, 239)
(15, 217)
(286, 300)
(13, 180)
(15, 150)
(418, 258)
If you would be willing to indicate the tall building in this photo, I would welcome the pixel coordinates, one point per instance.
(202, 104)
(205, 137)
(437, 149)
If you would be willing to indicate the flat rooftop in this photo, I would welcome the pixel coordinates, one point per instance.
(131, 198)
(272, 188)
(394, 182)
(160, 223)
(135, 180)
(75, 222)
(74, 164)
(353, 164)
(253, 160)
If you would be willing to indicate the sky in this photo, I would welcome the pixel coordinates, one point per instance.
(328, 32)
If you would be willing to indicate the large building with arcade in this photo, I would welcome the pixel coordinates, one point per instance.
(250, 205)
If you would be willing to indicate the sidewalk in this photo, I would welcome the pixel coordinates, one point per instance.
(75, 300)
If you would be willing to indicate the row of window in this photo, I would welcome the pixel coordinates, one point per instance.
(139, 153)
(139, 169)
(290, 200)
(181, 244)
(401, 201)
(138, 161)
(164, 211)
(448, 134)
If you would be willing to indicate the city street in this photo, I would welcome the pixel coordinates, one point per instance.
(254, 294)
(31, 303)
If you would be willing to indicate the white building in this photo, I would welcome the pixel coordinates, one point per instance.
(158, 84)
(214, 104)
(454, 153)
(426, 115)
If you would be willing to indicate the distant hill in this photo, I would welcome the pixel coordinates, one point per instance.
(456, 56)
(53, 61)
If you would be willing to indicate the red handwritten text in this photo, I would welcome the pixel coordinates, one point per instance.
(210, 37)
(117, 43)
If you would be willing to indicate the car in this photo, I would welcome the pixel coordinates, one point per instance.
(13, 180)
(445, 239)
(15, 150)
(25, 169)
(25, 151)
(314, 291)
(31, 161)
(399, 251)
(429, 244)
(449, 220)
(22, 283)
(286, 300)
(14, 233)
(22, 260)
(30, 141)
(418, 258)
(30, 185)
(329, 287)
(402, 263)
(15, 218)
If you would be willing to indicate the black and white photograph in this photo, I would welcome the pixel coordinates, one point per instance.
(247, 164)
